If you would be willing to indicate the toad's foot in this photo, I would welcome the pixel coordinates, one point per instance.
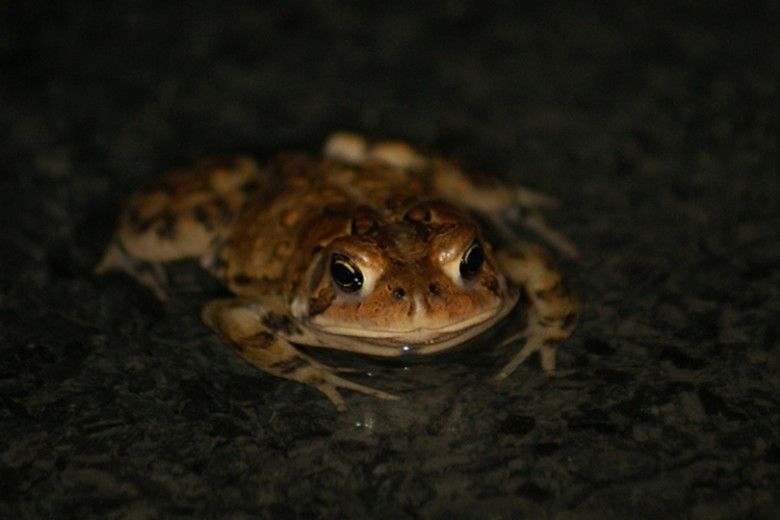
(537, 339)
(259, 332)
(149, 274)
(554, 308)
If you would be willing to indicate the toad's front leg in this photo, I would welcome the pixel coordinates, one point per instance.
(258, 330)
(554, 308)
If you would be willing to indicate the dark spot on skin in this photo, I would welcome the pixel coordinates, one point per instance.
(434, 289)
(219, 264)
(260, 340)
(280, 323)
(321, 302)
(250, 187)
(167, 226)
(202, 217)
(223, 209)
(399, 293)
(242, 279)
(569, 320)
(558, 290)
(288, 366)
(491, 284)
(142, 225)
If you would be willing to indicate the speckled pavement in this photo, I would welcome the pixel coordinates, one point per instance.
(657, 127)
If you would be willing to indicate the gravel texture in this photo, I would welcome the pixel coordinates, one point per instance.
(656, 125)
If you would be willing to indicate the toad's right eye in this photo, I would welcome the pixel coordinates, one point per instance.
(472, 260)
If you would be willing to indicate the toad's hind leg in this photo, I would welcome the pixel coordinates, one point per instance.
(554, 308)
(357, 149)
(181, 216)
(258, 331)
(503, 205)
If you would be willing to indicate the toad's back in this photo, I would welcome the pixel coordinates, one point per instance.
(253, 227)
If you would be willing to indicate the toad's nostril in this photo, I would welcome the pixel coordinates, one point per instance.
(434, 289)
(399, 293)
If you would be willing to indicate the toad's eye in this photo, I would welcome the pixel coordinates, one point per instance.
(346, 274)
(472, 260)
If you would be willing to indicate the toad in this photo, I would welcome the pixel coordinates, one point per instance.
(374, 247)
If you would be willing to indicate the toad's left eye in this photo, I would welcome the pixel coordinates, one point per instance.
(472, 260)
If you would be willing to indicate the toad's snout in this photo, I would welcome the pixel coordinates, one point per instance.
(401, 293)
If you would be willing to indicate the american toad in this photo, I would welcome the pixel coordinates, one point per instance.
(373, 247)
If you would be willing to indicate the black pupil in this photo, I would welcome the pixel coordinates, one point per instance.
(345, 273)
(472, 260)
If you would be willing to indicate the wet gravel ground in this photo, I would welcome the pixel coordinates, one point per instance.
(657, 126)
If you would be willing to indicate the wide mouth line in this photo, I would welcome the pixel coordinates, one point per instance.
(395, 343)
(373, 333)
(393, 346)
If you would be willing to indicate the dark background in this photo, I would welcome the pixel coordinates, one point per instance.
(657, 127)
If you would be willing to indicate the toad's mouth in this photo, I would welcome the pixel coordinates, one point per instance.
(411, 341)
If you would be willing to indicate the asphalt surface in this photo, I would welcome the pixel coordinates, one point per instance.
(657, 126)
